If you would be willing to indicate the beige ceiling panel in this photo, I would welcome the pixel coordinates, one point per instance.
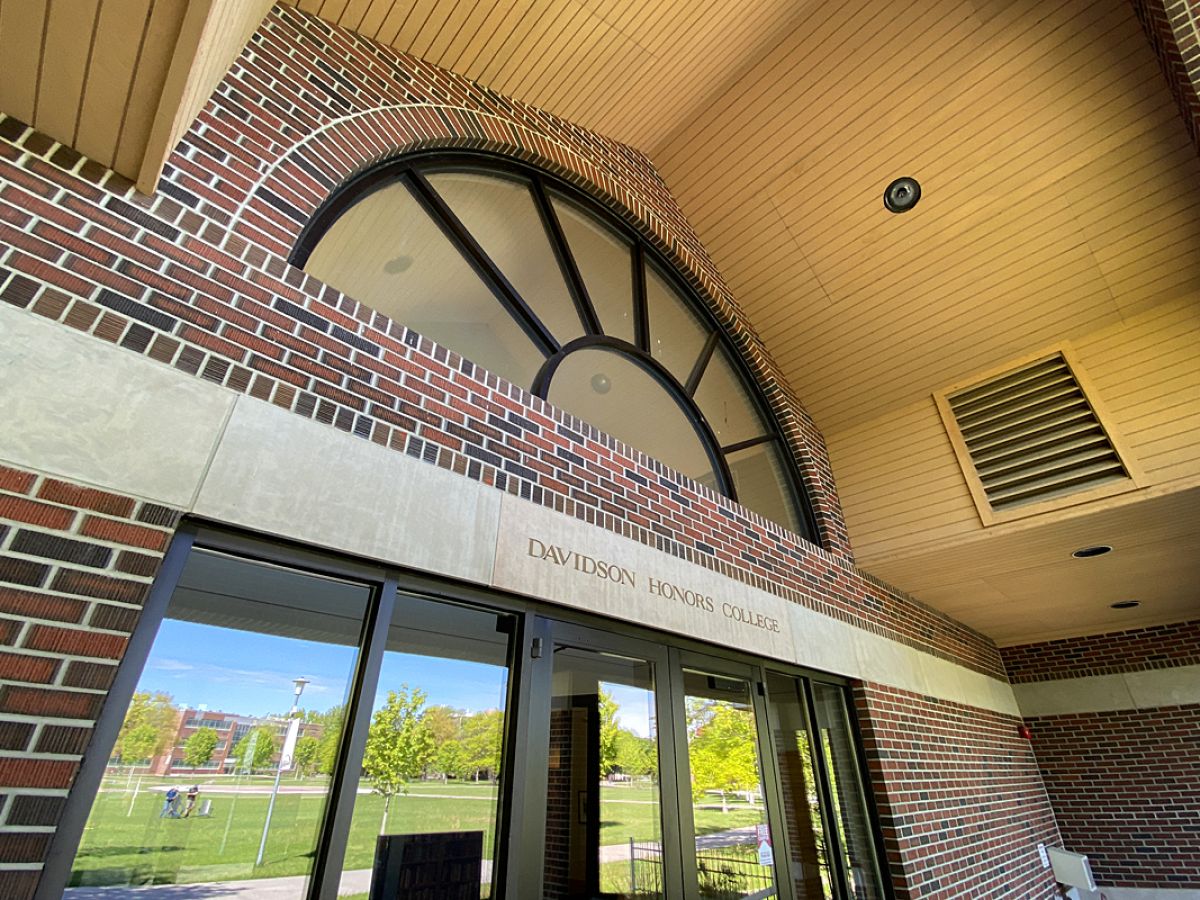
(117, 48)
(21, 28)
(66, 49)
(879, 125)
(157, 47)
(1125, 522)
(1011, 141)
(964, 596)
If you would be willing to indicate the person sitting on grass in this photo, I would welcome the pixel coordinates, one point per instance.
(170, 804)
(192, 793)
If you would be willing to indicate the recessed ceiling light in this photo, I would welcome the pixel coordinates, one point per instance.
(397, 264)
(1089, 552)
(1126, 604)
(902, 195)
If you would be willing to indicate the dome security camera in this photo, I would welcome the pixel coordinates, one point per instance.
(902, 195)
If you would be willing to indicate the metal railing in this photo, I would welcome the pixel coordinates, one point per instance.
(727, 873)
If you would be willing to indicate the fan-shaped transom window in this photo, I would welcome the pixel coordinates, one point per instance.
(536, 283)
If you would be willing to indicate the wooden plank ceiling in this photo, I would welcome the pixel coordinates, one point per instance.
(119, 80)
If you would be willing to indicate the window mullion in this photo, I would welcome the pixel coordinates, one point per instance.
(566, 261)
(331, 851)
(748, 443)
(697, 372)
(466, 244)
(641, 314)
(833, 841)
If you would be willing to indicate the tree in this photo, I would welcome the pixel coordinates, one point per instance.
(140, 743)
(608, 732)
(635, 755)
(148, 729)
(331, 737)
(721, 749)
(449, 760)
(444, 723)
(399, 746)
(305, 756)
(198, 749)
(482, 736)
(256, 749)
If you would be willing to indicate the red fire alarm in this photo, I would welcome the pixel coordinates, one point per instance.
(1023, 731)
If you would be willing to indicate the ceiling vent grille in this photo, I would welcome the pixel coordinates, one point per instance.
(1032, 435)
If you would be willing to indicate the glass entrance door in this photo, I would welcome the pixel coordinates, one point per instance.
(528, 757)
(604, 768)
(729, 816)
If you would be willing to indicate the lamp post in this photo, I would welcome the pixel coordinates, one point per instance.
(284, 756)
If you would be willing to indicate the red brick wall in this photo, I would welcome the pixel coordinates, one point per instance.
(75, 565)
(1125, 785)
(1160, 647)
(959, 795)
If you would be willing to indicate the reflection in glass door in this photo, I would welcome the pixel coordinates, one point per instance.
(847, 801)
(603, 812)
(807, 842)
(432, 761)
(734, 849)
(216, 775)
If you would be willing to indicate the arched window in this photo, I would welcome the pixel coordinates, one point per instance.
(533, 281)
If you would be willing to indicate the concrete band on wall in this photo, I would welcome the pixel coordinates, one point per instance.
(93, 414)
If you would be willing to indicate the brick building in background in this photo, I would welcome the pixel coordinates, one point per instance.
(208, 446)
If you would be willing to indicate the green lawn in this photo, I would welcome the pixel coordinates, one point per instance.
(126, 842)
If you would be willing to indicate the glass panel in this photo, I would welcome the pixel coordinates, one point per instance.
(501, 216)
(605, 265)
(676, 333)
(386, 252)
(734, 846)
(603, 813)
(213, 777)
(607, 389)
(761, 484)
(805, 830)
(846, 788)
(723, 398)
(432, 759)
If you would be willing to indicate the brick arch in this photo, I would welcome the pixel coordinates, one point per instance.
(292, 188)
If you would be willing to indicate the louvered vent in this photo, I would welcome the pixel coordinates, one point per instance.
(1032, 435)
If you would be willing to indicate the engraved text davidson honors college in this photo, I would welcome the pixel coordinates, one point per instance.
(607, 571)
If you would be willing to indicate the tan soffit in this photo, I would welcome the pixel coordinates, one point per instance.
(118, 80)
(1023, 585)
(1049, 149)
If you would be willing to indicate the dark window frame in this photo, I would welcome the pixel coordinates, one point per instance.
(409, 170)
(532, 620)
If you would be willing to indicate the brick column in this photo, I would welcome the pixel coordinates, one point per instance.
(75, 566)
